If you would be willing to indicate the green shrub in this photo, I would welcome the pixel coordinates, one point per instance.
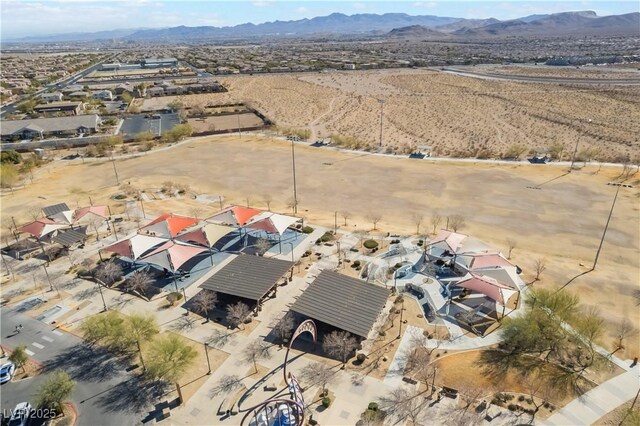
(511, 407)
(371, 244)
(10, 156)
(307, 230)
(355, 264)
(521, 398)
(326, 402)
(327, 236)
(373, 406)
(361, 357)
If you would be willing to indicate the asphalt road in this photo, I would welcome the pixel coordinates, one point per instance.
(553, 80)
(105, 394)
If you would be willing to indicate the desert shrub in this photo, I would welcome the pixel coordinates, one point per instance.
(173, 297)
(326, 237)
(521, 398)
(373, 406)
(361, 357)
(399, 299)
(326, 402)
(382, 333)
(355, 264)
(10, 156)
(307, 230)
(371, 244)
(512, 407)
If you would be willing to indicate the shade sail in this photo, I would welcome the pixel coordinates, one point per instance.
(452, 240)
(475, 261)
(65, 216)
(41, 227)
(100, 211)
(172, 255)
(207, 235)
(135, 246)
(234, 215)
(488, 286)
(168, 225)
(272, 223)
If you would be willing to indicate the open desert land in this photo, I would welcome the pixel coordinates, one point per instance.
(590, 71)
(446, 114)
(562, 222)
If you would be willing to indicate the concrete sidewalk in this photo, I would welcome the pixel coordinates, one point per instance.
(605, 398)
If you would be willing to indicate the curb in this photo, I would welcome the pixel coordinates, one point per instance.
(75, 412)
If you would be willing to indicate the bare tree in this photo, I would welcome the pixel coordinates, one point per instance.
(540, 265)
(237, 314)
(268, 199)
(340, 344)
(456, 222)
(283, 327)
(470, 392)
(95, 222)
(511, 244)
(256, 351)
(374, 218)
(293, 204)
(318, 373)
(624, 330)
(436, 219)
(108, 273)
(35, 213)
(139, 283)
(540, 391)
(417, 219)
(262, 245)
(204, 302)
(345, 215)
(196, 212)
(404, 404)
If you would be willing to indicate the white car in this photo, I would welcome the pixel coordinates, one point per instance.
(20, 416)
(6, 372)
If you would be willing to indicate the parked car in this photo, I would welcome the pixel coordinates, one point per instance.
(6, 372)
(20, 416)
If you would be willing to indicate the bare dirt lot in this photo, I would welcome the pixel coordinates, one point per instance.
(562, 222)
(453, 115)
(224, 122)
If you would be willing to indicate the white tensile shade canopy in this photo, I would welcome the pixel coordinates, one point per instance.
(63, 217)
(488, 286)
(172, 255)
(272, 223)
(207, 235)
(135, 246)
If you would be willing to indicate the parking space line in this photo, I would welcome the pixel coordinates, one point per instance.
(38, 345)
(58, 332)
(47, 338)
(29, 352)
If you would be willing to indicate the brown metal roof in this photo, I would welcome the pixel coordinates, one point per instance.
(343, 302)
(248, 276)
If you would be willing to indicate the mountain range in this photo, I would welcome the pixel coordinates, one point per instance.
(388, 24)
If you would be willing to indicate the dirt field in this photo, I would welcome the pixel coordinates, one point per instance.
(603, 72)
(225, 122)
(562, 222)
(449, 114)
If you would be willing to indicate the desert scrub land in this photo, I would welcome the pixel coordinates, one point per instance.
(447, 115)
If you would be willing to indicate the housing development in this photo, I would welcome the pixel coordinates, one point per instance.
(354, 219)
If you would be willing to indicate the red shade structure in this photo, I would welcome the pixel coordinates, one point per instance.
(41, 227)
(168, 225)
(488, 286)
(234, 216)
(100, 211)
(172, 255)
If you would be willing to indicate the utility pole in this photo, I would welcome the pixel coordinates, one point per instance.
(295, 190)
(381, 113)
(114, 169)
(575, 151)
(335, 222)
(206, 351)
(606, 227)
(48, 278)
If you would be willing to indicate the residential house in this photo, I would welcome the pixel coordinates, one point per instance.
(78, 95)
(67, 108)
(105, 95)
(155, 91)
(51, 97)
(39, 128)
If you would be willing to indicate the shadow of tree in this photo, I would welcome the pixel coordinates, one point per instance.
(86, 293)
(135, 395)
(85, 363)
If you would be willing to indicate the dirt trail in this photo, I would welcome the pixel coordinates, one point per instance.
(315, 126)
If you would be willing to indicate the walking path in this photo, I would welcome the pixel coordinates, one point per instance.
(605, 398)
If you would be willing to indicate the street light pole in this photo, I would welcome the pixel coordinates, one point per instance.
(292, 261)
(104, 304)
(575, 150)
(48, 278)
(606, 227)
(381, 113)
(114, 169)
(206, 351)
(295, 190)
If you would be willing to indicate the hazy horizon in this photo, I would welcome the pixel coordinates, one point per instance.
(54, 16)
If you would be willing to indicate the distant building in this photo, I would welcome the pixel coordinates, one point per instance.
(155, 91)
(39, 128)
(110, 67)
(51, 97)
(159, 63)
(78, 95)
(349, 66)
(68, 108)
(105, 95)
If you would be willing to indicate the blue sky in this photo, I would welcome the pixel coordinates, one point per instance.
(36, 17)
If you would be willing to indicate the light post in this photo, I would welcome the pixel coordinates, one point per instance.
(206, 351)
(575, 150)
(335, 222)
(381, 113)
(401, 312)
(48, 278)
(115, 170)
(295, 190)
(338, 245)
(606, 227)
(104, 304)
(144, 215)
(292, 261)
